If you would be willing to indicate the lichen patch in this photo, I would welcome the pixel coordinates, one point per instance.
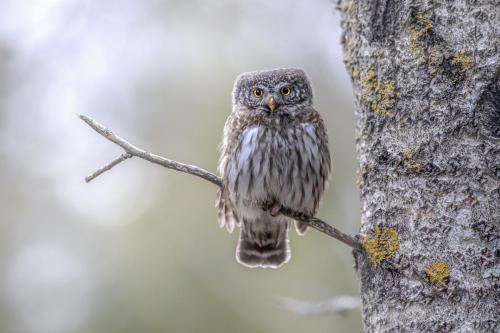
(413, 165)
(463, 59)
(383, 244)
(351, 7)
(381, 95)
(438, 274)
(356, 74)
(418, 30)
(416, 37)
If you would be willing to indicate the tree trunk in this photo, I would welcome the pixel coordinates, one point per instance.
(427, 96)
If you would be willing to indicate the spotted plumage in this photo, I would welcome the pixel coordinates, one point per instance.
(274, 153)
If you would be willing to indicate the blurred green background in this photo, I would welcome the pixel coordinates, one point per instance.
(139, 249)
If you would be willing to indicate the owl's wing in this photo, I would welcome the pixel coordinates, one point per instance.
(325, 165)
(318, 135)
(226, 215)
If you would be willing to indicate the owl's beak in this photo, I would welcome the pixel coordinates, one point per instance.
(271, 103)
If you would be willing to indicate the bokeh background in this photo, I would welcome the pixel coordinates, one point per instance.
(139, 249)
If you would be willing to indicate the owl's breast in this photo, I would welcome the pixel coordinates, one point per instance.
(282, 165)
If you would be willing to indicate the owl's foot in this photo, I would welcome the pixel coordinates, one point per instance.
(273, 208)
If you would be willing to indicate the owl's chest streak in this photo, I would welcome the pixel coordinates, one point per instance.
(271, 164)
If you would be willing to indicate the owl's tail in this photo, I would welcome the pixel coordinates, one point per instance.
(264, 243)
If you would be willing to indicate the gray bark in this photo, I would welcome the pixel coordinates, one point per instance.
(427, 96)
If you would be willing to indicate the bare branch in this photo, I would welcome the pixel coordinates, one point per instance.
(340, 305)
(322, 226)
(131, 150)
(108, 166)
(141, 153)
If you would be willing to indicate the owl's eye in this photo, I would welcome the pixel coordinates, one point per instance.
(285, 91)
(258, 92)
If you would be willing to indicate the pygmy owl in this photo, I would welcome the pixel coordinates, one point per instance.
(274, 153)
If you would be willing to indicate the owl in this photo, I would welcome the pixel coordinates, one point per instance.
(274, 153)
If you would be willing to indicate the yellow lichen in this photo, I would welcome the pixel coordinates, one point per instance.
(381, 245)
(356, 74)
(389, 89)
(370, 77)
(413, 37)
(386, 97)
(438, 273)
(416, 35)
(435, 58)
(351, 7)
(381, 95)
(424, 23)
(464, 59)
(413, 165)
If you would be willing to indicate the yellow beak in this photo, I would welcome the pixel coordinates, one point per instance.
(271, 102)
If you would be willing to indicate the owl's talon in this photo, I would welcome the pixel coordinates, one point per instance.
(275, 209)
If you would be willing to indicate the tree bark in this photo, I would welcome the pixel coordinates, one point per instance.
(427, 97)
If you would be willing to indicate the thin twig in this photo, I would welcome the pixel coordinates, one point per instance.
(108, 166)
(131, 150)
(340, 305)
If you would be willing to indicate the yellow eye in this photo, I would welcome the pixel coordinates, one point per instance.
(285, 91)
(258, 92)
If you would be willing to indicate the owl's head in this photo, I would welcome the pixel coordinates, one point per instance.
(274, 91)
